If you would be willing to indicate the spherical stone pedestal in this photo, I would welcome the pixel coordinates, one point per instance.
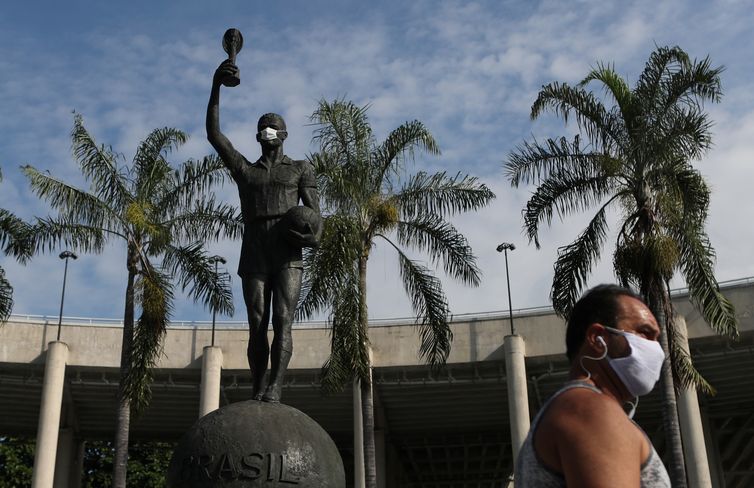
(256, 444)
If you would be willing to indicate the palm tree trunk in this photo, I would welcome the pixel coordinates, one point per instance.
(367, 399)
(123, 425)
(674, 443)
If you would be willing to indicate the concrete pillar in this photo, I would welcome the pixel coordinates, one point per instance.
(209, 391)
(713, 452)
(689, 416)
(379, 448)
(518, 396)
(69, 462)
(43, 472)
(359, 476)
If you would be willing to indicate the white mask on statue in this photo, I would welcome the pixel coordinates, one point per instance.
(268, 134)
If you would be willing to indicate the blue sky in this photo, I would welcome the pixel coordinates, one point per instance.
(468, 70)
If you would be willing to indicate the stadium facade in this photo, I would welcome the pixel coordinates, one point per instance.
(455, 428)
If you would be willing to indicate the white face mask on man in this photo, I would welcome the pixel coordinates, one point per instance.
(640, 370)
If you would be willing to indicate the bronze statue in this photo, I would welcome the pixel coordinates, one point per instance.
(275, 229)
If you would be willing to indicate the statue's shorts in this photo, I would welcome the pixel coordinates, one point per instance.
(265, 248)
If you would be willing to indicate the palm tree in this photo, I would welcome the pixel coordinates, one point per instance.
(636, 160)
(14, 240)
(163, 216)
(363, 190)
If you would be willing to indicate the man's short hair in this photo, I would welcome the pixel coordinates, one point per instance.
(271, 118)
(598, 305)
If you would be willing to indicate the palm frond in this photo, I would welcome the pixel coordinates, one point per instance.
(442, 242)
(430, 306)
(206, 219)
(441, 195)
(661, 62)
(591, 116)
(534, 162)
(194, 271)
(685, 373)
(155, 296)
(50, 233)
(72, 203)
(692, 84)
(574, 263)
(342, 189)
(149, 164)
(16, 238)
(6, 297)
(99, 165)
(614, 85)
(400, 144)
(192, 178)
(349, 351)
(343, 130)
(682, 132)
(697, 266)
(328, 269)
(565, 193)
(689, 188)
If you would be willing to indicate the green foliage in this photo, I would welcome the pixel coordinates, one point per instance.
(637, 160)
(147, 463)
(16, 462)
(15, 240)
(367, 196)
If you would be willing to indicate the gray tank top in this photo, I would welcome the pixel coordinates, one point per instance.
(531, 472)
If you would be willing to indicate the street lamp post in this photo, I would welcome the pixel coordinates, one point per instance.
(504, 247)
(514, 350)
(64, 255)
(215, 259)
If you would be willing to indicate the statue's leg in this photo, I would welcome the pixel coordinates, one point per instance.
(256, 294)
(286, 290)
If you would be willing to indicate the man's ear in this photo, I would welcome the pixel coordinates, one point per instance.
(259, 139)
(595, 337)
(282, 134)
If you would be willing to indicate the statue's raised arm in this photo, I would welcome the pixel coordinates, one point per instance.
(226, 74)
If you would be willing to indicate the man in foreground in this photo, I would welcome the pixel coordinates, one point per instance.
(582, 436)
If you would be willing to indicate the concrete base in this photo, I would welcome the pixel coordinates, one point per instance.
(253, 443)
(209, 390)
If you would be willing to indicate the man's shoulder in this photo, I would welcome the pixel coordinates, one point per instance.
(581, 406)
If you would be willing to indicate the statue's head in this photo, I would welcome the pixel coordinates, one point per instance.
(271, 130)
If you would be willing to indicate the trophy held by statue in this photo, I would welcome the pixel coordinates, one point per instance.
(232, 44)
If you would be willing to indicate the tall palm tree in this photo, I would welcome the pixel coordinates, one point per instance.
(163, 216)
(636, 160)
(14, 241)
(364, 191)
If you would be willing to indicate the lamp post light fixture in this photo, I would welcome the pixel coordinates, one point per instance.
(504, 248)
(215, 259)
(64, 255)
